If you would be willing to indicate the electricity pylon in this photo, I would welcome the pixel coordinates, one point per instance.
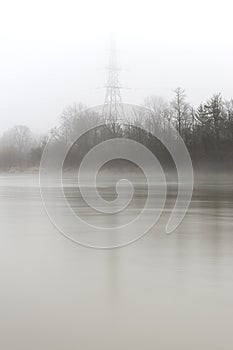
(113, 109)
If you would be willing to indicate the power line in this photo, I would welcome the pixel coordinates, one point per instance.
(113, 109)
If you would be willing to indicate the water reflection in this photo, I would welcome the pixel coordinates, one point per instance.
(162, 291)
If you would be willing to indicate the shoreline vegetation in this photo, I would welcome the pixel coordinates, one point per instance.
(207, 132)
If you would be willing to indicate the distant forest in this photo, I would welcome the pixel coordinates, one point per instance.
(207, 132)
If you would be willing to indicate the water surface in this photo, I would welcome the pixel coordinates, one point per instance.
(162, 292)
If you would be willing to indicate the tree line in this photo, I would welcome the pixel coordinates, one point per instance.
(206, 130)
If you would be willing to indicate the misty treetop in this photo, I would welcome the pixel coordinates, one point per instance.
(207, 132)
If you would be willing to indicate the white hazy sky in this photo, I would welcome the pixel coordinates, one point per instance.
(53, 53)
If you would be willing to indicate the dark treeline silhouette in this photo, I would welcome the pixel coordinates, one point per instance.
(207, 132)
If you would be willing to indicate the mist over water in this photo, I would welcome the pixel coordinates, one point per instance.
(116, 132)
(163, 291)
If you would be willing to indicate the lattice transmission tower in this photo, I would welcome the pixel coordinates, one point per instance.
(113, 109)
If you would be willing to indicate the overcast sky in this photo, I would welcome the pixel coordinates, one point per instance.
(53, 53)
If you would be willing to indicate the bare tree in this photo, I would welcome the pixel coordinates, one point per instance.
(159, 116)
(68, 119)
(22, 137)
(181, 109)
(17, 141)
(19, 137)
(228, 111)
